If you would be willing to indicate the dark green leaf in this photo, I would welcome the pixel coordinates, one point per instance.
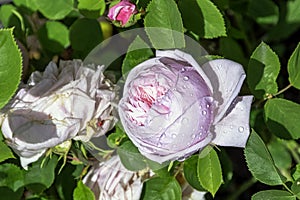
(38, 177)
(130, 156)
(7, 192)
(260, 162)
(190, 172)
(296, 188)
(203, 18)
(273, 195)
(6, 153)
(263, 69)
(54, 10)
(137, 52)
(165, 16)
(296, 172)
(85, 34)
(294, 68)
(10, 66)
(282, 117)
(210, 172)
(263, 11)
(11, 176)
(54, 36)
(280, 154)
(82, 192)
(161, 189)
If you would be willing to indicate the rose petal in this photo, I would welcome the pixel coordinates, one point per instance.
(26, 161)
(227, 78)
(233, 129)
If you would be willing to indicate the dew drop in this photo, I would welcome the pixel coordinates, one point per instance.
(231, 126)
(201, 127)
(204, 112)
(207, 105)
(186, 78)
(193, 136)
(173, 135)
(183, 69)
(191, 94)
(185, 120)
(241, 129)
(159, 145)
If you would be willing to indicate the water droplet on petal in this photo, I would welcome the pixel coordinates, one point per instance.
(185, 120)
(201, 127)
(204, 112)
(186, 78)
(191, 94)
(231, 126)
(241, 129)
(207, 105)
(173, 135)
(193, 136)
(183, 69)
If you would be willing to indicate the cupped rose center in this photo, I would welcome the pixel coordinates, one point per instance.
(141, 100)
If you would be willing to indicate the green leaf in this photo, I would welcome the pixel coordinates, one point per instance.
(11, 176)
(161, 189)
(45, 174)
(92, 8)
(203, 18)
(260, 162)
(280, 154)
(85, 34)
(190, 172)
(231, 49)
(6, 153)
(7, 192)
(29, 4)
(114, 139)
(263, 69)
(10, 69)
(281, 117)
(54, 10)
(137, 52)
(296, 172)
(165, 16)
(273, 195)
(82, 192)
(294, 68)
(210, 172)
(130, 156)
(6, 14)
(263, 11)
(296, 188)
(54, 36)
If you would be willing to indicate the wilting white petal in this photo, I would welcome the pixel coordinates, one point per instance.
(233, 129)
(227, 78)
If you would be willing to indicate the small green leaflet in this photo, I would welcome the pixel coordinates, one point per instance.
(263, 69)
(82, 192)
(260, 162)
(210, 172)
(10, 66)
(273, 195)
(11, 176)
(54, 10)
(162, 189)
(294, 68)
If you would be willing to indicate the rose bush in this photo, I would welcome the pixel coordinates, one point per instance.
(67, 102)
(122, 12)
(171, 107)
(111, 180)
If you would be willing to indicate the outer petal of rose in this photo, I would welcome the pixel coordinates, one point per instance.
(180, 55)
(227, 78)
(233, 129)
(26, 161)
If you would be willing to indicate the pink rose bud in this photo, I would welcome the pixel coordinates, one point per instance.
(171, 107)
(122, 12)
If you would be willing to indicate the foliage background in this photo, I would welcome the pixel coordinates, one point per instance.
(262, 35)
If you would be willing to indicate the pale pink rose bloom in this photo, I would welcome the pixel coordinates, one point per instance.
(67, 102)
(171, 107)
(122, 11)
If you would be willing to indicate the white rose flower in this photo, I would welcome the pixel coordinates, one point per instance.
(71, 101)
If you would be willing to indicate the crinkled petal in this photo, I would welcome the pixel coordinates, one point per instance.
(227, 78)
(233, 129)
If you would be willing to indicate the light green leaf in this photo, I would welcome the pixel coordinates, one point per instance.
(296, 172)
(190, 172)
(6, 153)
(10, 69)
(82, 192)
(263, 11)
(260, 162)
(210, 172)
(92, 8)
(203, 18)
(137, 52)
(54, 10)
(130, 156)
(85, 34)
(165, 16)
(11, 176)
(162, 189)
(29, 4)
(296, 188)
(263, 69)
(280, 154)
(281, 117)
(294, 68)
(6, 14)
(273, 195)
(45, 174)
(54, 36)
